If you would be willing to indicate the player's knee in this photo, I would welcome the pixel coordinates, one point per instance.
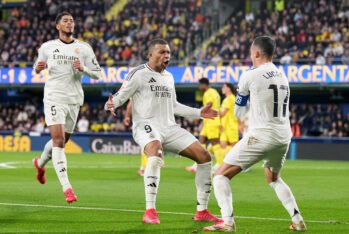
(155, 161)
(205, 157)
(272, 178)
(58, 141)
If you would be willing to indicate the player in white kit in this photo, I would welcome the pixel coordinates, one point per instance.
(154, 106)
(67, 60)
(269, 134)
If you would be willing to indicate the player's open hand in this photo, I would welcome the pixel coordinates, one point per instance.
(77, 65)
(110, 105)
(40, 66)
(208, 113)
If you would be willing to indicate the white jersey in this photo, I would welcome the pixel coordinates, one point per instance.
(63, 85)
(269, 93)
(153, 97)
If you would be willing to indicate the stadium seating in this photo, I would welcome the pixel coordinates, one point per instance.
(306, 33)
(121, 40)
(306, 119)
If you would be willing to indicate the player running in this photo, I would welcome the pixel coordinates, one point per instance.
(154, 105)
(268, 138)
(229, 122)
(210, 127)
(67, 60)
(127, 122)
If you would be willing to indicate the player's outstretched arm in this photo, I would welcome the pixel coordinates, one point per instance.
(128, 88)
(186, 111)
(183, 110)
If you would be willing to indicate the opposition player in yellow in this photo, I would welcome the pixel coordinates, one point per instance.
(229, 123)
(210, 130)
(127, 122)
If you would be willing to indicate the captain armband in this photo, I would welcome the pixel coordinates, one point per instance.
(241, 100)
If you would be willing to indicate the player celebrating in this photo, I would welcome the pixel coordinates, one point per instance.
(127, 122)
(229, 122)
(67, 60)
(268, 136)
(154, 105)
(210, 127)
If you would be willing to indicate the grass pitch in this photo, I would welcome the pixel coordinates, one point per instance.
(111, 197)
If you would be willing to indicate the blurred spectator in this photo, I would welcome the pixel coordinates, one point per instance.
(117, 40)
(286, 59)
(302, 30)
(306, 119)
(309, 32)
(83, 124)
(318, 120)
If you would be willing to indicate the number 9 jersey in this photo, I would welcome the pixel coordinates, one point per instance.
(269, 93)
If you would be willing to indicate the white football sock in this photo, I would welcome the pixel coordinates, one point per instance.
(287, 199)
(151, 180)
(203, 185)
(46, 155)
(60, 164)
(224, 197)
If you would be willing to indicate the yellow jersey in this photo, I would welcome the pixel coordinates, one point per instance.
(229, 120)
(211, 95)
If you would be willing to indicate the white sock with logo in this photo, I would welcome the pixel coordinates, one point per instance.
(60, 164)
(224, 197)
(203, 185)
(287, 199)
(151, 180)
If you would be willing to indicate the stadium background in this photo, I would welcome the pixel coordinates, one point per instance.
(208, 38)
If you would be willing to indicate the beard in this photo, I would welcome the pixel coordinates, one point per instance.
(68, 34)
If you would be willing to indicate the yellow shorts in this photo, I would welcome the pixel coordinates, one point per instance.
(230, 136)
(210, 132)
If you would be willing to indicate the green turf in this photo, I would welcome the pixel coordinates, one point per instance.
(109, 181)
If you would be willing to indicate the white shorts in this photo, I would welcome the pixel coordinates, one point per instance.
(252, 148)
(174, 138)
(66, 114)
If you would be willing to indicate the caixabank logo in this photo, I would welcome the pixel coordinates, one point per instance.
(107, 145)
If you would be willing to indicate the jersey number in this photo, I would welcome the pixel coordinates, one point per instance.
(53, 110)
(274, 87)
(147, 129)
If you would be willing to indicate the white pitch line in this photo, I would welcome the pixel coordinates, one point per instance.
(7, 165)
(160, 212)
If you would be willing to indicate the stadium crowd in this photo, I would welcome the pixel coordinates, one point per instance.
(306, 119)
(306, 32)
(121, 39)
(312, 32)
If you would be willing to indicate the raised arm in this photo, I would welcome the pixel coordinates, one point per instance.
(128, 88)
(190, 112)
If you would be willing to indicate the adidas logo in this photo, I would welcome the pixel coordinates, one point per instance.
(56, 51)
(152, 185)
(152, 80)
